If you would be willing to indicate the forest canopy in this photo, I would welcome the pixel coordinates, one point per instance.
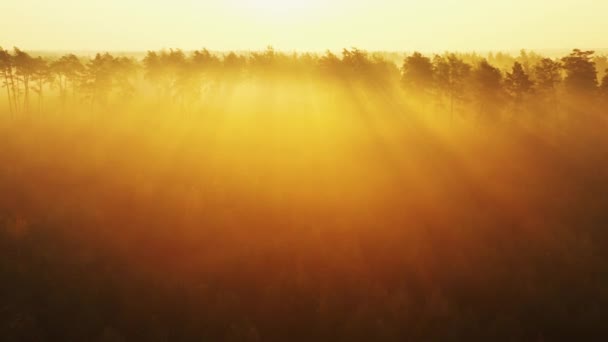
(496, 80)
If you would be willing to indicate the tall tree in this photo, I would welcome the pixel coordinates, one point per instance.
(25, 67)
(357, 63)
(204, 68)
(153, 71)
(518, 83)
(547, 75)
(417, 74)
(6, 67)
(41, 76)
(330, 65)
(451, 74)
(581, 75)
(487, 85)
(98, 78)
(124, 72)
(163, 69)
(233, 66)
(67, 73)
(262, 64)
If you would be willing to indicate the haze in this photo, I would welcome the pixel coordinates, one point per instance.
(130, 25)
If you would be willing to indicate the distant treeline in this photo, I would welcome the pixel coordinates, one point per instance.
(490, 83)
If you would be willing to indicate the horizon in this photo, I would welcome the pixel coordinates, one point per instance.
(548, 52)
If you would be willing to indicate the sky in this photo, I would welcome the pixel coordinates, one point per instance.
(395, 25)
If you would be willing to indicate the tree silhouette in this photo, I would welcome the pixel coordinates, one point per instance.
(547, 75)
(487, 84)
(25, 69)
(98, 78)
(451, 74)
(518, 83)
(164, 70)
(154, 72)
(41, 76)
(527, 59)
(174, 69)
(182, 79)
(330, 65)
(6, 67)
(124, 72)
(581, 75)
(67, 73)
(262, 63)
(356, 63)
(233, 66)
(205, 69)
(384, 73)
(417, 74)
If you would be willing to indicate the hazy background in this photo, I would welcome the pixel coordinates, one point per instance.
(303, 25)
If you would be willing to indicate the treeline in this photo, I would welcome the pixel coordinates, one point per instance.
(489, 83)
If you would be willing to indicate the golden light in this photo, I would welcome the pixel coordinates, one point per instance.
(277, 8)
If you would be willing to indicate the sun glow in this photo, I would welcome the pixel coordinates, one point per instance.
(281, 8)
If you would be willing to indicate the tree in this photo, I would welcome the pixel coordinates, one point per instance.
(233, 66)
(67, 72)
(124, 71)
(98, 78)
(153, 70)
(487, 84)
(24, 69)
(205, 62)
(205, 70)
(6, 67)
(518, 83)
(330, 65)
(450, 74)
(41, 76)
(356, 62)
(547, 74)
(383, 72)
(528, 59)
(417, 74)
(581, 75)
(164, 70)
(262, 64)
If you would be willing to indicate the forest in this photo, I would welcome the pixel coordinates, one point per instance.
(280, 196)
(189, 79)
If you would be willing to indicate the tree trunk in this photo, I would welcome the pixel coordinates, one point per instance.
(8, 93)
(40, 95)
(26, 93)
(15, 90)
